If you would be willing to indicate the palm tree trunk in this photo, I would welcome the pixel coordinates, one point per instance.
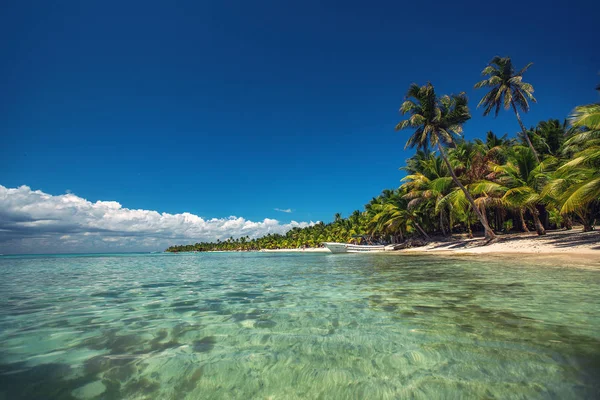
(539, 228)
(522, 217)
(442, 222)
(524, 131)
(588, 223)
(568, 222)
(421, 230)
(489, 234)
(483, 213)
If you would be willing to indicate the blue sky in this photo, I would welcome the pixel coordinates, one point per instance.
(239, 108)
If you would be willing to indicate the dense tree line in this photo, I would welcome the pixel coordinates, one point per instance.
(548, 177)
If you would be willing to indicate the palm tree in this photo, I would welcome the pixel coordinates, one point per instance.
(426, 186)
(508, 90)
(551, 135)
(437, 120)
(524, 181)
(576, 184)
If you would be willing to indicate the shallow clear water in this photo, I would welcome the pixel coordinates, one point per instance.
(285, 326)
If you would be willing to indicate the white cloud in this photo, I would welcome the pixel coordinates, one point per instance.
(32, 221)
(286, 210)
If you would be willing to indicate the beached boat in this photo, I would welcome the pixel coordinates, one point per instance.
(353, 248)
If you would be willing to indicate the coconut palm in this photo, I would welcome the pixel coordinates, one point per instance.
(524, 181)
(551, 136)
(508, 90)
(437, 121)
(576, 184)
(426, 186)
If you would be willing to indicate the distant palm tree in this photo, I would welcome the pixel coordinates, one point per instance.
(508, 90)
(437, 121)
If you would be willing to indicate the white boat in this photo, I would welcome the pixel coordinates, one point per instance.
(353, 248)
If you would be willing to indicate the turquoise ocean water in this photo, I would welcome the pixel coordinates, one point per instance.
(296, 326)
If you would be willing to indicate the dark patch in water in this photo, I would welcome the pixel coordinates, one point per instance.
(265, 324)
(132, 320)
(237, 317)
(408, 313)
(121, 373)
(335, 323)
(158, 285)
(265, 339)
(110, 294)
(29, 309)
(204, 345)
(61, 323)
(171, 344)
(124, 344)
(45, 381)
(181, 310)
(184, 303)
(211, 305)
(274, 298)
(189, 383)
(113, 389)
(161, 335)
(183, 328)
(243, 295)
(157, 343)
(389, 308)
(426, 308)
(466, 328)
(117, 344)
(141, 386)
(100, 364)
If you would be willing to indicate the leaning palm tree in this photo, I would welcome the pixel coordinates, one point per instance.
(437, 121)
(508, 90)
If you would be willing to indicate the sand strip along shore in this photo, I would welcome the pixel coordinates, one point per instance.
(561, 245)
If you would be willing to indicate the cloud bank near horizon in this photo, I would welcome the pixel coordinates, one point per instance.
(32, 221)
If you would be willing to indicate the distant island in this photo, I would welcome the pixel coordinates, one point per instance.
(545, 178)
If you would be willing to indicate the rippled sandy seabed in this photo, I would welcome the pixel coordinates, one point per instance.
(286, 326)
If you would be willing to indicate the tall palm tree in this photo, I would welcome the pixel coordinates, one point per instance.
(437, 121)
(508, 90)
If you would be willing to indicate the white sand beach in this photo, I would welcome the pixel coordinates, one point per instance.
(574, 244)
(562, 248)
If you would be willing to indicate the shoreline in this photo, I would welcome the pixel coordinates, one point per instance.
(574, 243)
(557, 246)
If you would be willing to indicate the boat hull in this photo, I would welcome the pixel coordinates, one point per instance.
(353, 248)
(336, 247)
